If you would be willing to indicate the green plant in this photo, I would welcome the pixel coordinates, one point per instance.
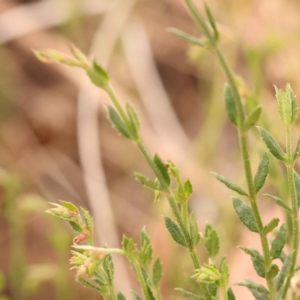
(94, 265)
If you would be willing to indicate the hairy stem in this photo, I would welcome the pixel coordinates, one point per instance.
(294, 216)
(141, 279)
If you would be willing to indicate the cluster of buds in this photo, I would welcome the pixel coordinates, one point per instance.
(69, 212)
(86, 263)
(207, 274)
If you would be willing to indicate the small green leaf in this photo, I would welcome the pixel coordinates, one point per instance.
(134, 121)
(212, 243)
(230, 104)
(148, 182)
(108, 267)
(120, 296)
(88, 284)
(195, 235)
(128, 246)
(230, 294)
(189, 294)
(88, 219)
(230, 184)
(297, 184)
(259, 267)
(253, 286)
(76, 227)
(262, 172)
(252, 118)
(273, 271)
(278, 243)
(212, 22)
(98, 75)
(224, 273)
(188, 189)
(294, 103)
(117, 122)
(270, 226)
(278, 201)
(146, 249)
(253, 253)
(189, 38)
(297, 151)
(157, 271)
(175, 232)
(284, 271)
(245, 214)
(69, 206)
(162, 168)
(271, 143)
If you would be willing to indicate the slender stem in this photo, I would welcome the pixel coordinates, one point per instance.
(101, 250)
(295, 220)
(112, 293)
(141, 279)
(247, 167)
(117, 104)
(253, 203)
(224, 292)
(185, 213)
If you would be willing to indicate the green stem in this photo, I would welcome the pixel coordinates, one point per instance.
(295, 220)
(141, 279)
(101, 250)
(113, 294)
(253, 203)
(185, 213)
(118, 106)
(247, 167)
(224, 292)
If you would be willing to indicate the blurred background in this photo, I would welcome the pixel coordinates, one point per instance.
(56, 142)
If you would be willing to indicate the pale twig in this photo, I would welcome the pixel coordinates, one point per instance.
(26, 18)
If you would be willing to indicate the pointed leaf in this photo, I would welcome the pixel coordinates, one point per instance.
(120, 296)
(76, 227)
(294, 104)
(189, 38)
(117, 122)
(195, 235)
(245, 214)
(297, 184)
(153, 185)
(98, 75)
(108, 267)
(188, 294)
(273, 271)
(251, 285)
(88, 219)
(262, 172)
(188, 189)
(230, 184)
(284, 271)
(212, 243)
(230, 104)
(224, 273)
(162, 168)
(134, 121)
(278, 201)
(253, 253)
(259, 267)
(271, 143)
(230, 294)
(270, 226)
(297, 151)
(212, 21)
(69, 206)
(157, 271)
(175, 231)
(252, 118)
(278, 243)
(146, 249)
(88, 284)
